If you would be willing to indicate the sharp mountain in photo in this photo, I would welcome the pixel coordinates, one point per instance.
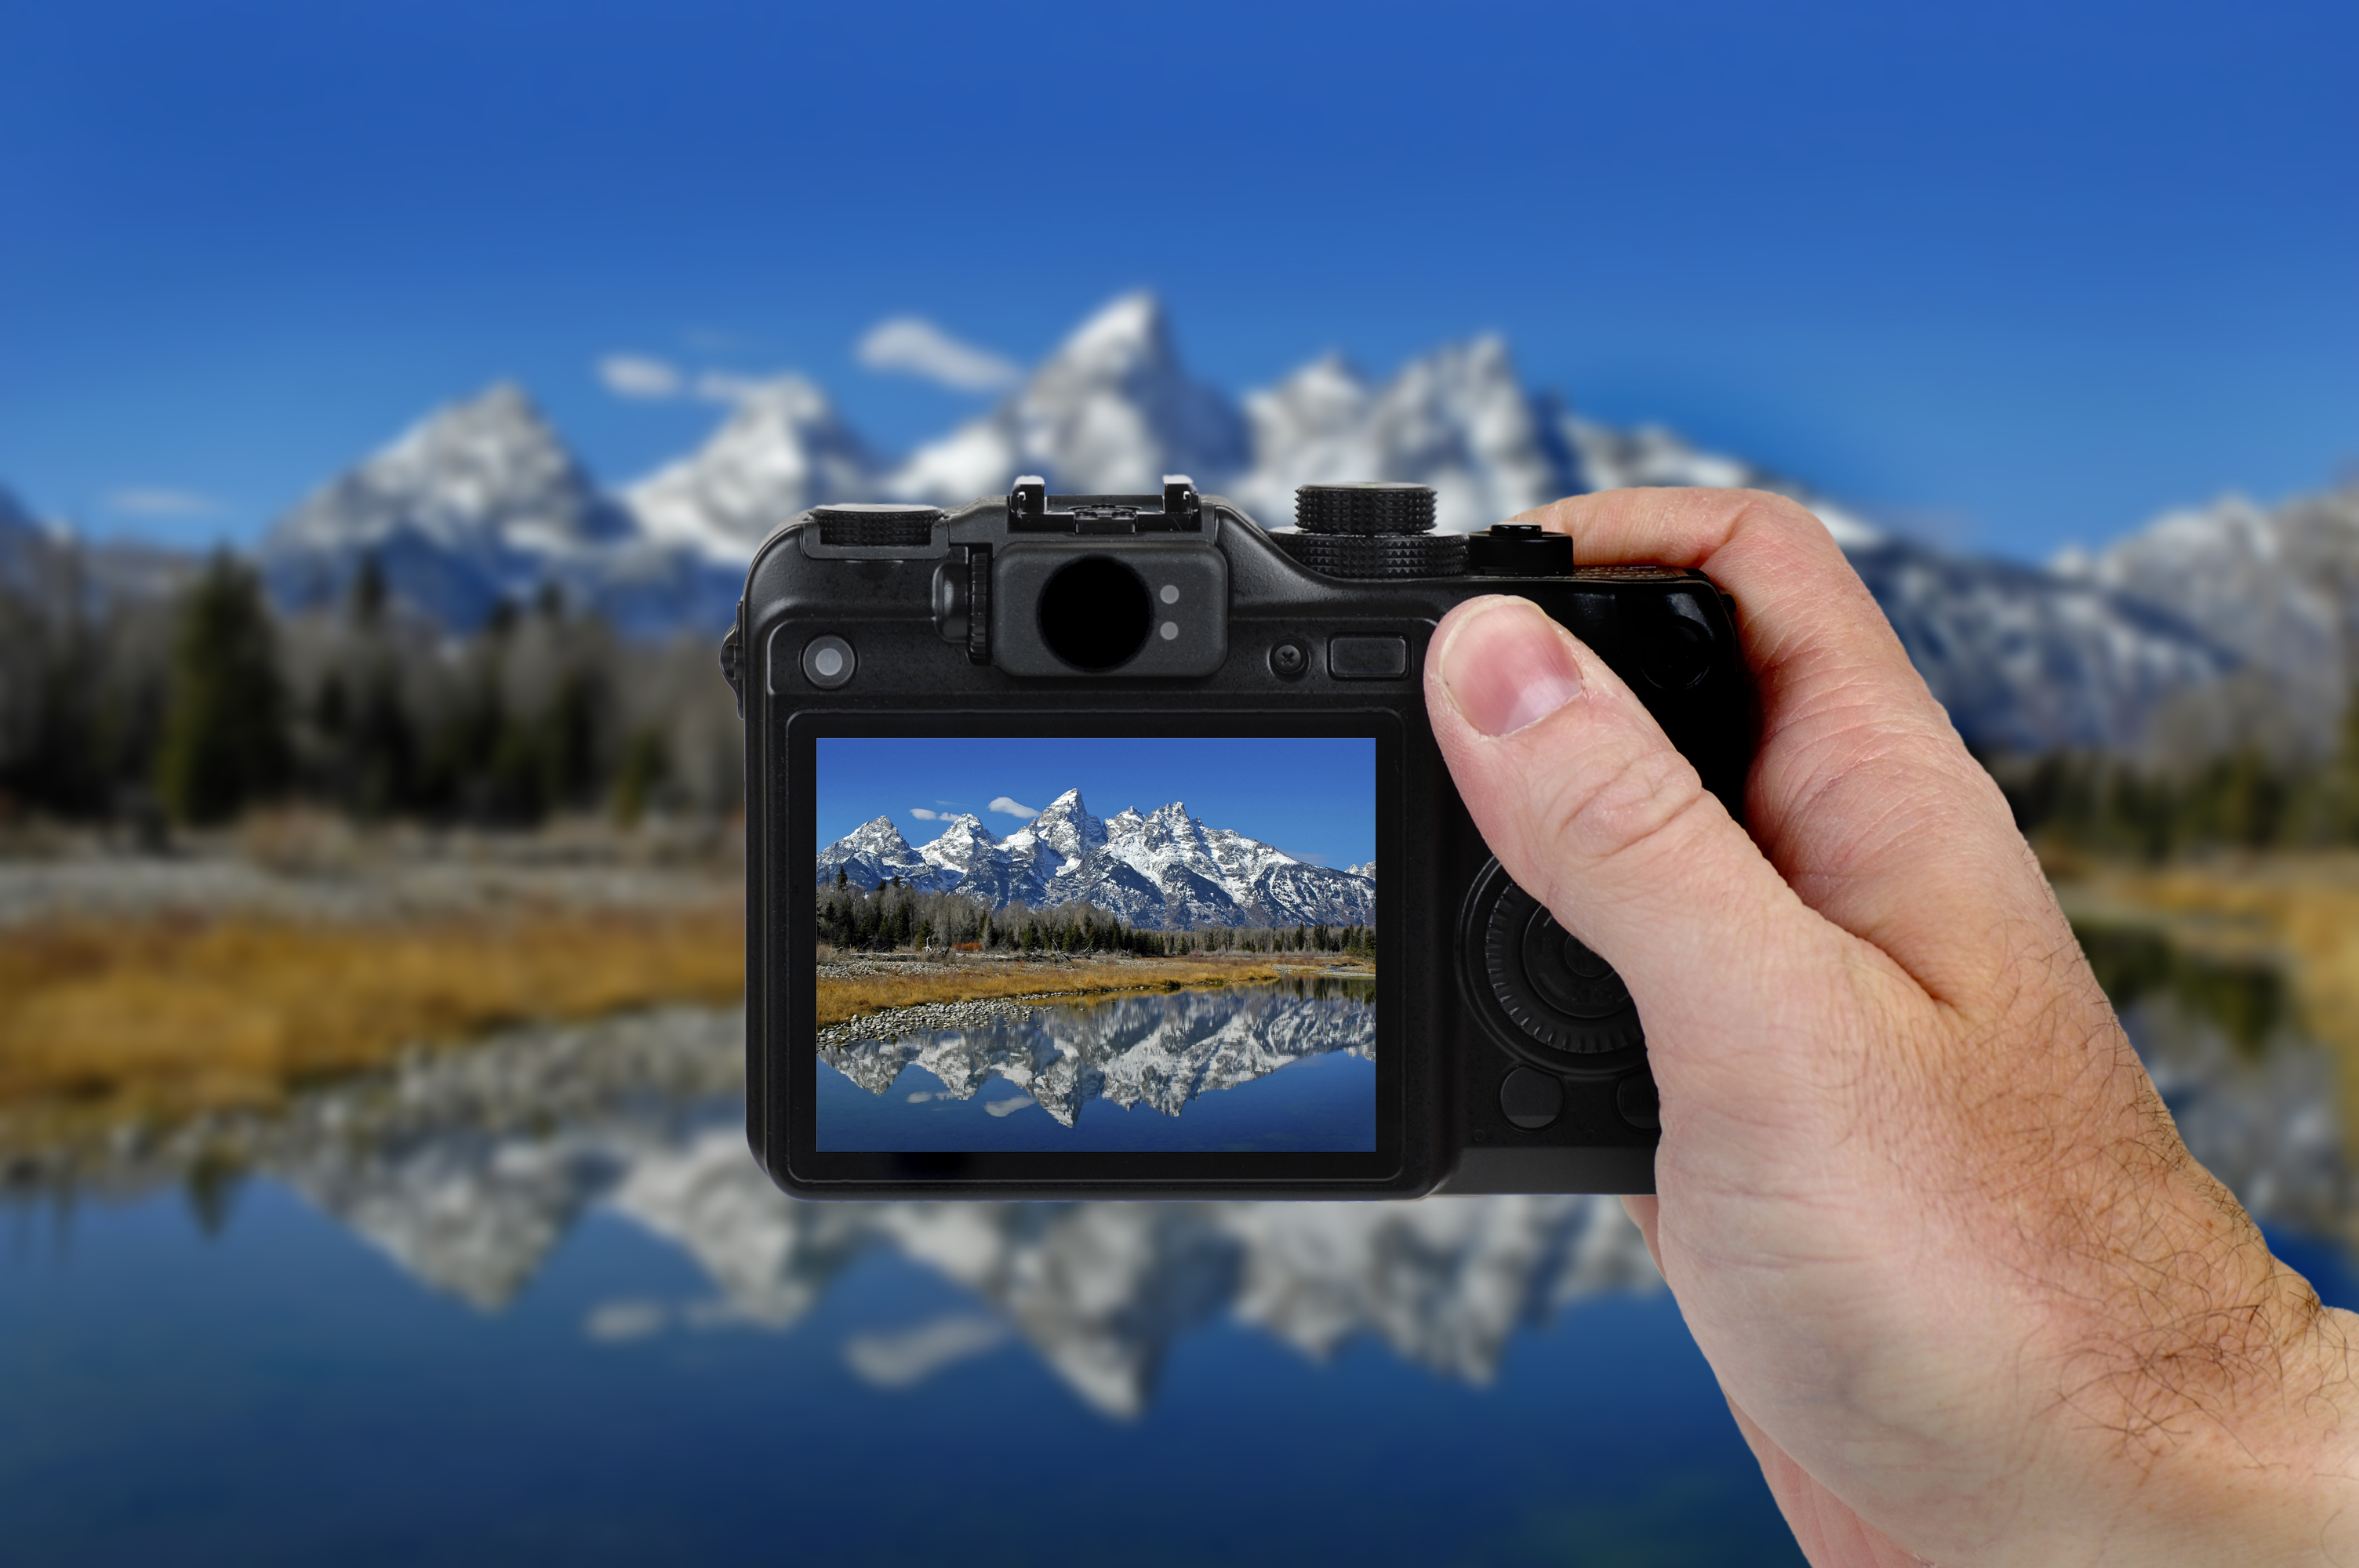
(1162, 869)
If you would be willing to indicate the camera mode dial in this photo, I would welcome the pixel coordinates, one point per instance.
(1369, 506)
(1538, 990)
(1372, 529)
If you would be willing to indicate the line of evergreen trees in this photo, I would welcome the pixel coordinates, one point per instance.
(2244, 798)
(898, 918)
(203, 704)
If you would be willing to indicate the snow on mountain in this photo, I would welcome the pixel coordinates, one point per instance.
(481, 502)
(1112, 410)
(782, 451)
(2028, 662)
(1161, 870)
(2278, 588)
(873, 853)
(1457, 419)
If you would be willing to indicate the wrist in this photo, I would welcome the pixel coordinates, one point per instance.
(2260, 1470)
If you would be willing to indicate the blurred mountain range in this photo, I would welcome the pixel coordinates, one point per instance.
(482, 501)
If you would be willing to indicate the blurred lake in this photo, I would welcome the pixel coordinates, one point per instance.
(534, 1300)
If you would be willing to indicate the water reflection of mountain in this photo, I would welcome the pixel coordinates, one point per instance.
(469, 1168)
(2254, 1097)
(1157, 1051)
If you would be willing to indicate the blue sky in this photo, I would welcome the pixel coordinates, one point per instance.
(1314, 798)
(2001, 275)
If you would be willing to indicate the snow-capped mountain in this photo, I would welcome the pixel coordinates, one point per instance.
(2279, 589)
(2027, 661)
(1111, 411)
(480, 503)
(1458, 419)
(1163, 869)
(782, 451)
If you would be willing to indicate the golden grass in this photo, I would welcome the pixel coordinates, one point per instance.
(843, 997)
(2306, 908)
(171, 1016)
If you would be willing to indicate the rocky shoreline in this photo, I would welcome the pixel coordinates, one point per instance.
(927, 1017)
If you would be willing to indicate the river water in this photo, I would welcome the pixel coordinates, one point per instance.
(534, 1301)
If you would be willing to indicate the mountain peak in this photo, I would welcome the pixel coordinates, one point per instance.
(966, 824)
(1127, 332)
(1161, 870)
(479, 501)
(500, 427)
(783, 448)
(1113, 411)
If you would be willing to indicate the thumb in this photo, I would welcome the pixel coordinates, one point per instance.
(1593, 811)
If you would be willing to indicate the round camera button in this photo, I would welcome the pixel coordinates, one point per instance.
(1639, 1102)
(1531, 1100)
(828, 662)
(1675, 654)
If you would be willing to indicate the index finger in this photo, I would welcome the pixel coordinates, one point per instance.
(1862, 793)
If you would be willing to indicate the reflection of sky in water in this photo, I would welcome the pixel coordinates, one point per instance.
(603, 1335)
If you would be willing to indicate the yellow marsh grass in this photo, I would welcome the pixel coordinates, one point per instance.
(2308, 908)
(174, 1015)
(855, 995)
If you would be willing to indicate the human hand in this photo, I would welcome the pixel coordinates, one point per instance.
(1969, 1296)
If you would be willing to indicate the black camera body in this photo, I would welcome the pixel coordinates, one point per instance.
(1445, 1036)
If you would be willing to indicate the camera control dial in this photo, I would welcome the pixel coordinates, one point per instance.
(1538, 990)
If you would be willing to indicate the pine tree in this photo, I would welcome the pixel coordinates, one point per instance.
(2342, 788)
(225, 738)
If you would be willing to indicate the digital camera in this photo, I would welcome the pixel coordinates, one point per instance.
(1285, 965)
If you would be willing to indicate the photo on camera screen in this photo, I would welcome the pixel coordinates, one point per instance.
(1002, 967)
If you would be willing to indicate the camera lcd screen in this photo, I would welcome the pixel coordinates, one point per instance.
(1096, 943)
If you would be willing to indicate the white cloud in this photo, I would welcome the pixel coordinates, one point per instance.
(722, 386)
(1010, 1106)
(901, 1360)
(916, 346)
(922, 815)
(1007, 807)
(612, 1323)
(158, 501)
(635, 375)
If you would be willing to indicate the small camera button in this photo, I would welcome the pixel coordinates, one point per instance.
(1367, 658)
(1530, 1099)
(1640, 1102)
(828, 662)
